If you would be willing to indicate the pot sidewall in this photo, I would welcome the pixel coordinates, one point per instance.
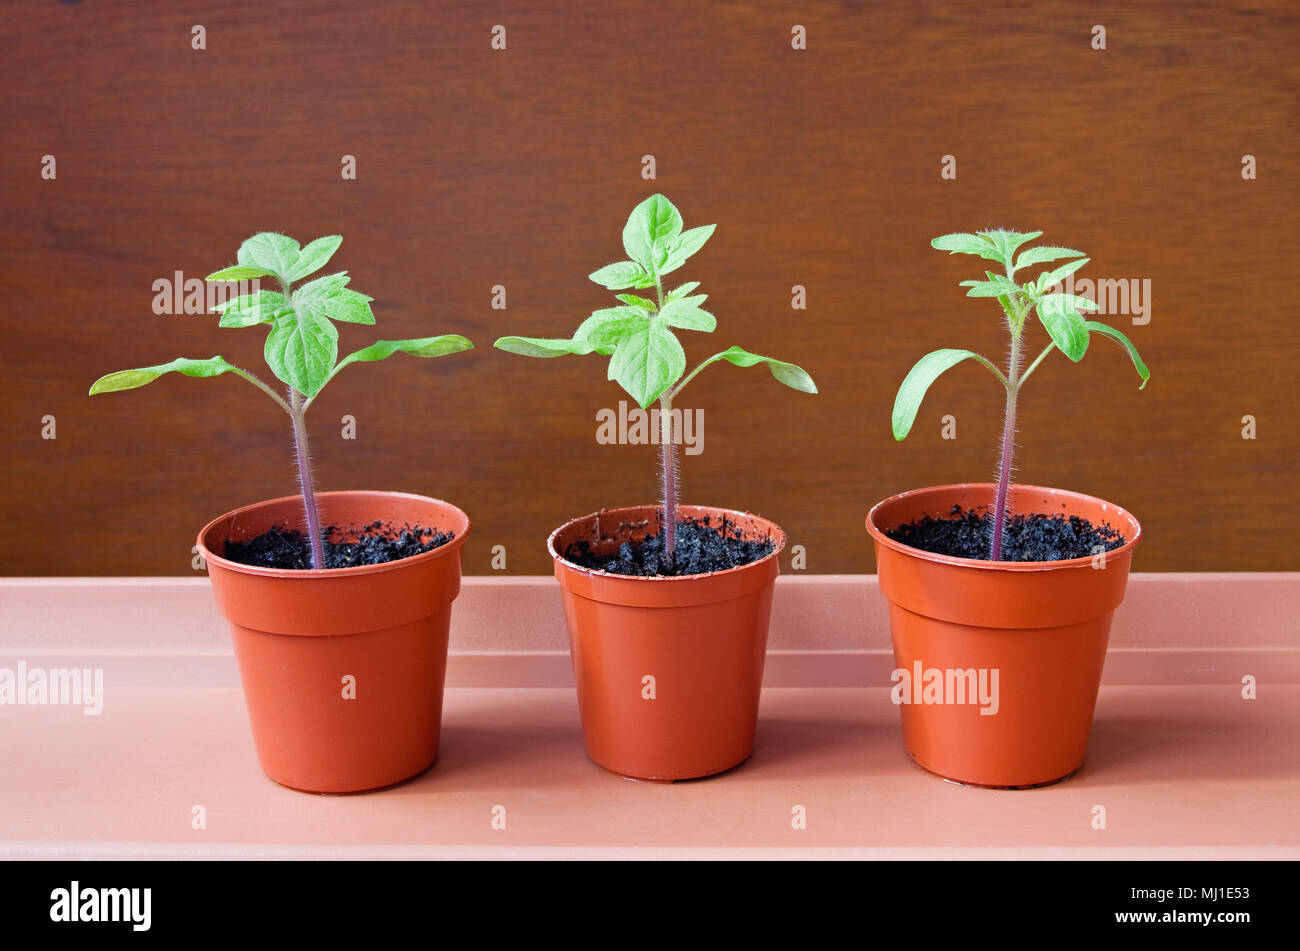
(342, 670)
(1043, 628)
(669, 671)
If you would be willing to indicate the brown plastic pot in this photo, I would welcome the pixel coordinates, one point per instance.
(299, 634)
(702, 638)
(1043, 626)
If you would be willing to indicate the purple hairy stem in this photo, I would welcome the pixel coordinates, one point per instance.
(668, 463)
(1008, 450)
(305, 481)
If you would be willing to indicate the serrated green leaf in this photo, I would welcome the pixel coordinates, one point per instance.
(649, 229)
(330, 297)
(997, 285)
(647, 362)
(543, 346)
(1106, 330)
(239, 272)
(685, 313)
(646, 305)
(961, 243)
(911, 392)
(1065, 325)
(248, 310)
(1044, 254)
(315, 256)
(1051, 278)
(791, 375)
(276, 253)
(1008, 241)
(349, 306)
(301, 349)
(321, 287)
(679, 292)
(606, 329)
(427, 347)
(684, 245)
(620, 275)
(130, 379)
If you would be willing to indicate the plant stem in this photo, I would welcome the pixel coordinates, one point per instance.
(1037, 360)
(667, 455)
(668, 462)
(265, 389)
(298, 413)
(1008, 446)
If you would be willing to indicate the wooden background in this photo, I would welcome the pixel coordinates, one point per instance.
(477, 167)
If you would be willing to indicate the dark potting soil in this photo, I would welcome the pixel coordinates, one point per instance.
(374, 544)
(698, 548)
(1029, 537)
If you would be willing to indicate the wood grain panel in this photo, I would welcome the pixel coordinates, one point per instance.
(475, 168)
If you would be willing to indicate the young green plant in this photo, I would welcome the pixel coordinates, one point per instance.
(302, 345)
(646, 358)
(1060, 314)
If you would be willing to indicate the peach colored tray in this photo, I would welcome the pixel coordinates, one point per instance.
(1182, 765)
(827, 630)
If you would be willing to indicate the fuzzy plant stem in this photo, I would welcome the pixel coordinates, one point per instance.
(1008, 448)
(668, 462)
(298, 413)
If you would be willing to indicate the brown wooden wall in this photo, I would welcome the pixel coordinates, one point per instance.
(478, 167)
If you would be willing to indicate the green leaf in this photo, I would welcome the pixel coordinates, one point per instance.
(1044, 254)
(620, 275)
(914, 386)
(417, 347)
(647, 362)
(349, 306)
(130, 379)
(686, 314)
(684, 245)
(543, 346)
(301, 349)
(961, 243)
(321, 287)
(646, 305)
(679, 292)
(276, 253)
(1050, 278)
(1007, 241)
(264, 307)
(315, 256)
(788, 373)
(606, 329)
(1060, 316)
(998, 285)
(1108, 331)
(329, 297)
(649, 229)
(238, 272)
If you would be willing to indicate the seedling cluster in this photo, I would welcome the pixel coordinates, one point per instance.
(302, 345)
(1060, 314)
(646, 358)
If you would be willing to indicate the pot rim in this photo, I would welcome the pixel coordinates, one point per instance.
(210, 557)
(779, 538)
(881, 538)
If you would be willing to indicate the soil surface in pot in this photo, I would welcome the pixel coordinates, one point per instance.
(1028, 537)
(698, 548)
(374, 544)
